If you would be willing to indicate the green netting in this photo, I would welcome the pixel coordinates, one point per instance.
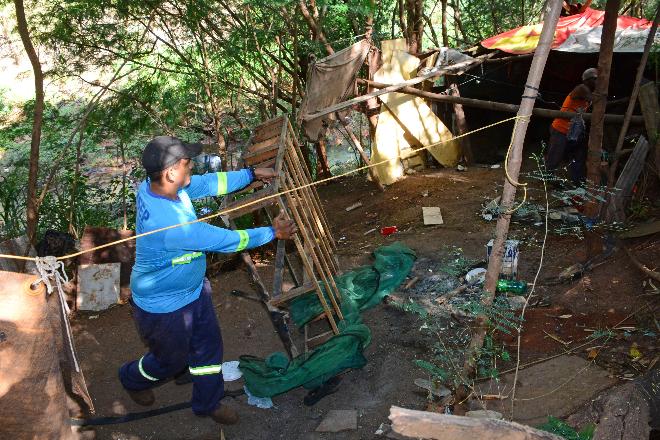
(276, 374)
(361, 289)
(365, 286)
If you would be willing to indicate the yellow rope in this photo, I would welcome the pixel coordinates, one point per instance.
(272, 196)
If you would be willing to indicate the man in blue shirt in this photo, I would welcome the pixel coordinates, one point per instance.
(172, 309)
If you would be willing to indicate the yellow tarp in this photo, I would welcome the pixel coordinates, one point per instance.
(406, 119)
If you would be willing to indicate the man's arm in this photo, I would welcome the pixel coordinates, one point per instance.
(218, 184)
(201, 236)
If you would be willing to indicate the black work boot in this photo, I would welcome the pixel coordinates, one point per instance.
(142, 397)
(224, 415)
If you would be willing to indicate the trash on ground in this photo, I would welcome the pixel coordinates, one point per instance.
(433, 388)
(388, 230)
(432, 215)
(509, 259)
(259, 402)
(353, 206)
(230, 371)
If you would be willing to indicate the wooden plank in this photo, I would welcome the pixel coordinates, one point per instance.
(260, 156)
(240, 206)
(265, 144)
(648, 101)
(454, 69)
(626, 181)
(428, 425)
(266, 132)
(292, 293)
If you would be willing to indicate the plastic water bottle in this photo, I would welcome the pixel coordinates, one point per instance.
(512, 286)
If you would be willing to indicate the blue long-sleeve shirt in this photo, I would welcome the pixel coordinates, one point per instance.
(169, 265)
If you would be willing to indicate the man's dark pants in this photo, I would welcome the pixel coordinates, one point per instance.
(188, 337)
(560, 148)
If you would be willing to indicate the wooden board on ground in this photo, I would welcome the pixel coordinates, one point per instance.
(432, 215)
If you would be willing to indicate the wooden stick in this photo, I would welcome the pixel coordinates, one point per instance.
(306, 207)
(551, 18)
(299, 165)
(310, 271)
(500, 106)
(293, 145)
(303, 231)
(319, 257)
(428, 425)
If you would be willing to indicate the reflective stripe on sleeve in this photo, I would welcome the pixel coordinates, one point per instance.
(206, 369)
(245, 238)
(144, 373)
(222, 183)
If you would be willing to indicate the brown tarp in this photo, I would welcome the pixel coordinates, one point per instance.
(329, 81)
(35, 367)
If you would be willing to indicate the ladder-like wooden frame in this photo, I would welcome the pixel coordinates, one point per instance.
(274, 145)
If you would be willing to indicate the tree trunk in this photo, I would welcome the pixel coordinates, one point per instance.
(32, 208)
(322, 167)
(553, 8)
(445, 35)
(461, 123)
(593, 240)
(314, 25)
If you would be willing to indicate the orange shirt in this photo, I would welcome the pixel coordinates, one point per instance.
(570, 104)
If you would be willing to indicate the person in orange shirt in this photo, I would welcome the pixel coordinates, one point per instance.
(560, 147)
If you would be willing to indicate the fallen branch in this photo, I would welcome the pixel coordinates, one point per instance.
(423, 424)
(648, 272)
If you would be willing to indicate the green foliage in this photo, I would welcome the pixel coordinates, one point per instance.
(561, 428)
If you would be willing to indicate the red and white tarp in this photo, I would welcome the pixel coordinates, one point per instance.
(575, 33)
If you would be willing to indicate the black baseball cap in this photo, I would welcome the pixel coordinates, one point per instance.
(164, 151)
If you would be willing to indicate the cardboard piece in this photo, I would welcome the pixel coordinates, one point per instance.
(432, 215)
(98, 286)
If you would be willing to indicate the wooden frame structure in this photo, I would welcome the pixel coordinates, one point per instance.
(274, 144)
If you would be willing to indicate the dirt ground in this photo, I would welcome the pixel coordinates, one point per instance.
(612, 294)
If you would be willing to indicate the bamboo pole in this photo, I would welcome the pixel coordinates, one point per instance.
(633, 99)
(312, 219)
(316, 200)
(325, 275)
(553, 7)
(310, 272)
(500, 106)
(296, 171)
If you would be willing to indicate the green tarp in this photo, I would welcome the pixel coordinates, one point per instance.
(361, 289)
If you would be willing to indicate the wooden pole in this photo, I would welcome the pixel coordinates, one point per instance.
(308, 211)
(499, 106)
(331, 288)
(308, 208)
(553, 7)
(461, 123)
(310, 267)
(633, 99)
(593, 241)
(316, 200)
